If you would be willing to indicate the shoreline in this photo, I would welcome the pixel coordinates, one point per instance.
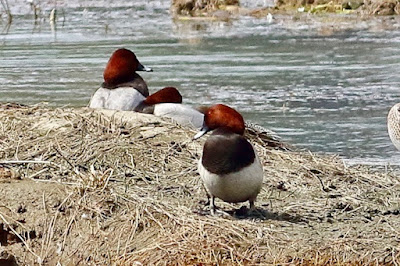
(326, 16)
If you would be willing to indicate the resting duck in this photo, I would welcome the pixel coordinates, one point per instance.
(167, 102)
(122, 89)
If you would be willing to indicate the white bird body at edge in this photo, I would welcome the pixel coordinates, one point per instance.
(123, 98)
(180, 113)
(393, 123)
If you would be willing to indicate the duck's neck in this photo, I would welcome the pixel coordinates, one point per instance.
(134, 81)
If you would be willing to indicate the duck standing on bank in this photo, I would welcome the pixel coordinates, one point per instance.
(229, 165)
(167, 102)
(122, 89)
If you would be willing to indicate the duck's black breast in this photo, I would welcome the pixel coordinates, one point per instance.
(225, 152)
(136, 82)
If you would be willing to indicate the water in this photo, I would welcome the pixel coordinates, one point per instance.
(327, 93)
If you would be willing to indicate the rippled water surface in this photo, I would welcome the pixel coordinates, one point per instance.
(328, 93)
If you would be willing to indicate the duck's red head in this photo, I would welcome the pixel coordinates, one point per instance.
(166, 95)
(121, 67)
(202, 109)
(222, 116)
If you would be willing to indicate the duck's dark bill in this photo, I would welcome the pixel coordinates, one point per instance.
(143, 68)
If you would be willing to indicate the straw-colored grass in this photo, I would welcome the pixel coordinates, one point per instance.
(199, 7)
(192, 9)
(80, 186)
(369, 7)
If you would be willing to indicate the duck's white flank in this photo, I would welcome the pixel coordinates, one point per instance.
(234, 187)
(393, 123)
(180, 113)
(124, 98)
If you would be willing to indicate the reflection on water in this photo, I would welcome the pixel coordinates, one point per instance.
(327, 93)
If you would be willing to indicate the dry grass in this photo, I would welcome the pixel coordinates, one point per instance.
(196, 8)
(199, 7)
(365, 7)
(122, 188)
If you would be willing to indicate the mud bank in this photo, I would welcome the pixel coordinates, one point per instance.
(85, 187)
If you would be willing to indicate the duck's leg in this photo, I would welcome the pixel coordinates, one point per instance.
(212, 204)
(253, 210)
(252, 206)
(208, 195)
(215, 211)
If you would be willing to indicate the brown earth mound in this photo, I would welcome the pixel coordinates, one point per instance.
(370, 7)
(200, 7)
(224, 9)
(92, 187)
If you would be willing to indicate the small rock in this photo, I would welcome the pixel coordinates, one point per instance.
(7, 173)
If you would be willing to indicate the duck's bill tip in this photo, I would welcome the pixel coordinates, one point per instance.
(144, 68)
(203, 131)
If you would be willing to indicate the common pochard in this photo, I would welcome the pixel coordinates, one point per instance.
(122, 89)
(229, 165)
(167, 102)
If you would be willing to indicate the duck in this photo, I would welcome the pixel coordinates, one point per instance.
(393, 124)
(167, 102)
(265, 137)
(229, 165)
(123, 89)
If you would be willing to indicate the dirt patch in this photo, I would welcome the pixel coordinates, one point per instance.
(98, 188)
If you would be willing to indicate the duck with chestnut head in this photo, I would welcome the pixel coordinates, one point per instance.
(122, 89)
(229, 165)
(167, 102)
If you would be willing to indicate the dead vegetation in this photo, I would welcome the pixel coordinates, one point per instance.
(200, 7)
(365, 7)
(90, 187)
(207, 8)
